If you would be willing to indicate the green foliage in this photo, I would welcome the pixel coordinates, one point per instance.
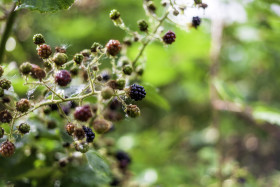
(45, 5)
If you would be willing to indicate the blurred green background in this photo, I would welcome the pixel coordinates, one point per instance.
(174, 142)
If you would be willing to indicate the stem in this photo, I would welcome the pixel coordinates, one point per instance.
(45, 84)
(149, 40)
(63, 113)
(7, 31)
(12, 125)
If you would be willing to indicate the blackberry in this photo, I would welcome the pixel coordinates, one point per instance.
(23, 105)
(70, 128)
(5, 116)
(89, 134)
(86, 52)
(74, 71)
(24, 128)
(169, 37)
(83, 113)
(123, 158)
(65, 109)
(1, 71)
(107, 92)
(7, 149)
(2, 92)
(63, 78)
(62, 163)
(196, 21)
(95, 47)
(79, 133)
(5, 84)
(2, 132)
(53, 107)
(143, 25)
(136, 92)
(81, 146)
(112, 84)
(38, 39)
(105, 76)
(113, 47)
(44, 51)
(132, 111)
(37, 72)
(175, 12)
(60, 58)
(151, 6)
(101, 126)
(115, 104)
(72, 104)
(127, 70)
(114, 14)
(78, 58)
(120, 84)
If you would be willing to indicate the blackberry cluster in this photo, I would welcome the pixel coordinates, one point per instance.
(196, 21)
(137, 92)
(89, 134)
(169, 37)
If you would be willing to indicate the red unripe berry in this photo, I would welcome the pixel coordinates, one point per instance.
(63, 78)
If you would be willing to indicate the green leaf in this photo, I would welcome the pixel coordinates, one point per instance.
(36, 173)
(155, 98)
(268, 114)
(45, 5)
(98, 164)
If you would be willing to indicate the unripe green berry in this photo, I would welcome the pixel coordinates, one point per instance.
(5, 84)
(175, 12)
(81, 146)
(23, 105)
(107, 93)
(60, 59)
(95, 47)
(38, 39)
(120, 84)
(78, 58)
(143, 25)
(114, 14)
(132, 111)
(25, 68)
(127, 70)
(139, 70)
(74, 71)
(24, 128)
(101, 126)
(2, 132)
(1, 92)
(1, 71)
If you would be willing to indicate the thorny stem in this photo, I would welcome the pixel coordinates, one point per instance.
(45, 84)
(149, 40)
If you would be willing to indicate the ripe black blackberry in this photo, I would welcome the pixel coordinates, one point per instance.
(44, 51)
(169, 37)
(113, 47)
(63, 78)
(83, 113)
(23, 105)
(7, 149)
(5, 84)
(123, 158)
(38, 39)
(136, 92)
(196, 21)
(5, 116)
(89, 134)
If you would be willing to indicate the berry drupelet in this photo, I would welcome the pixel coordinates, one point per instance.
(44, 51)
(63, 78)
(196, 21)
(89, 134)
(136, 92)
(7, 149)
(169, 37)
(83, 113)
(113, 47)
